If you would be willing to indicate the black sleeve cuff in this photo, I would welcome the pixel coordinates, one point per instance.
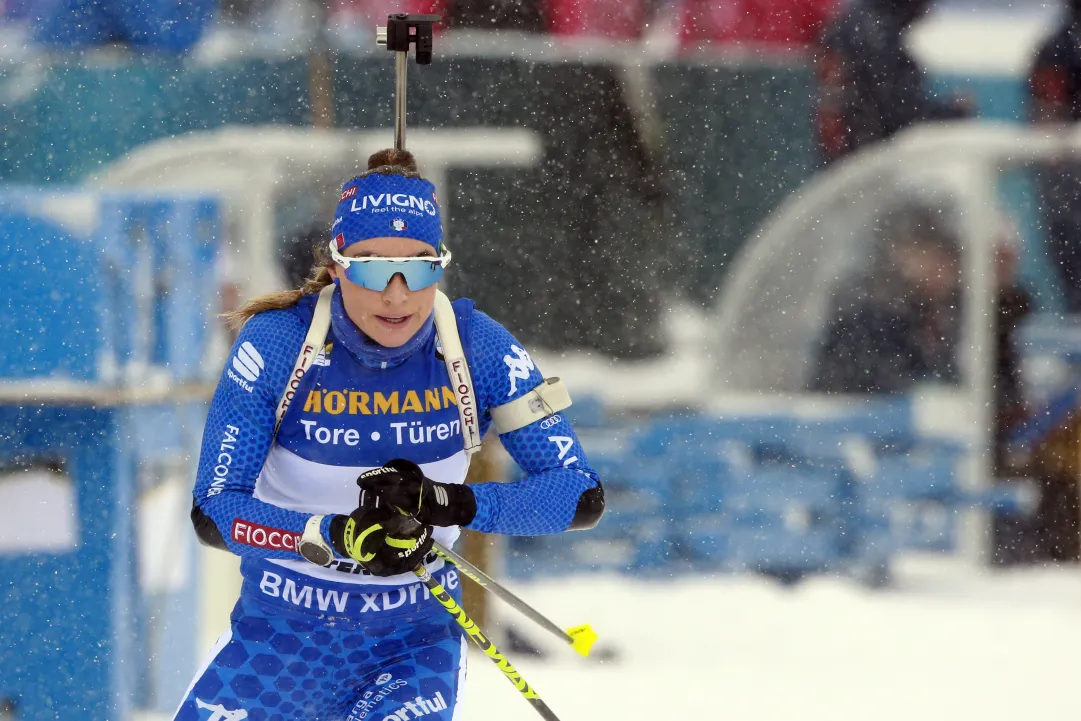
(459, 509)
(336, 531)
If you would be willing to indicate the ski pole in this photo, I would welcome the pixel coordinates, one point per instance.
(580, 638)
(483, 643)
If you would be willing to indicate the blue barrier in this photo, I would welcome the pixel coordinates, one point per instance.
(107, 298)
(784, 495)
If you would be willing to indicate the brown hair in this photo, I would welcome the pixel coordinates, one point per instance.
(384, 162)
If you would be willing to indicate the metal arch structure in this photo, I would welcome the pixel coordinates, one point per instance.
(981, 148)
(972, 154)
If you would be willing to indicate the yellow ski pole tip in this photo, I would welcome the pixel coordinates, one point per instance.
(582, 638)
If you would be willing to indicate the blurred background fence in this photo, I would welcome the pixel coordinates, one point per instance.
(106, 342)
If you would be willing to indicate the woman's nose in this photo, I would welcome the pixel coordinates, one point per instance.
(396, 290)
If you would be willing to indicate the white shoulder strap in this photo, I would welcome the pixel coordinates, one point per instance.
(313, 343)
(446, 328)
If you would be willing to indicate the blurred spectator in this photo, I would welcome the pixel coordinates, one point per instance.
(899, 324)
(870, 86)
(1055, 97)
(164, 25)
(780, 24)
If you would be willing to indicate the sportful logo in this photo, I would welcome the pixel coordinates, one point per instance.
(419, 542)
(383, 679)
(248, 363)
(441, 496)
(220, 713)
(418, 707)
(519, 367)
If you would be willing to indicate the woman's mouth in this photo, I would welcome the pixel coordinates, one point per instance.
(393, 320)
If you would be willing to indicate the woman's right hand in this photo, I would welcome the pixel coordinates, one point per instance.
(384, 541)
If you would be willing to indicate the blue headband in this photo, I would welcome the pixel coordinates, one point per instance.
(378, 206)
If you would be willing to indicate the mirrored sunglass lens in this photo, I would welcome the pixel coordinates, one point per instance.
(376, 275)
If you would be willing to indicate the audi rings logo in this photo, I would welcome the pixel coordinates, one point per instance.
(384, 679)
(550, 421)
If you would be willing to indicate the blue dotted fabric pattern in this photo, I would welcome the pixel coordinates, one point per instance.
(545, 501)
(240, 426)
(379, 206)
(292, 667)
(559, 473)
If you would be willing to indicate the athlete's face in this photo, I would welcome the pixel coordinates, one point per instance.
(393, 315)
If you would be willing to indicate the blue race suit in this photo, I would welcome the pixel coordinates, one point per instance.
(308, 642)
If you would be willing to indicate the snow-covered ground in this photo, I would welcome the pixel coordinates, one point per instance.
(947, 642)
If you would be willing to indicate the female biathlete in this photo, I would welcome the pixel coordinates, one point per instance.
(331, 623)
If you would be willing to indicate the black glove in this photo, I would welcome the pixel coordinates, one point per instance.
(401, 484)
(381, 539)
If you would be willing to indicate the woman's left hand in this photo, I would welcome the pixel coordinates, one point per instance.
(401, 484)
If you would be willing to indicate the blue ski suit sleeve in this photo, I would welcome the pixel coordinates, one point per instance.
(558, 474)
(238, 435)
